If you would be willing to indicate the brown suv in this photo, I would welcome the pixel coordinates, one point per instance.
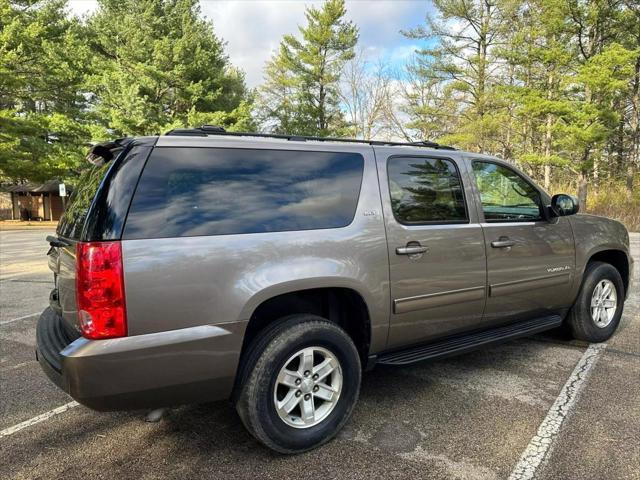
(272, 270)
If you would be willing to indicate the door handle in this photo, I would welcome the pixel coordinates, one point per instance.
(503, 242)
(411, 250)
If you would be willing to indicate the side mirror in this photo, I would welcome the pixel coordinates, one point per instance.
(563, 205)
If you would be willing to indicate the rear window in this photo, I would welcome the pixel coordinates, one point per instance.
(73, 219)
(214, 191)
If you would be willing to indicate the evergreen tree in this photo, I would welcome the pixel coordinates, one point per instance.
(599, 68)
(538, 55)
(627, 144)
(462, 38)
(43, 60)
(158, 65)
(544, 83)
(300, 94)
(277, 106)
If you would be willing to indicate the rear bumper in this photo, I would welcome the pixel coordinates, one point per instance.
(632, 273)
(144, 371)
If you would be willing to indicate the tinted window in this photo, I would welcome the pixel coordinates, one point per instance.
(425, 190)
(101, 157)
(109, 210)
(505, 195)
(213, 191)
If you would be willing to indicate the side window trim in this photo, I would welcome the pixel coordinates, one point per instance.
(483, 218)
(430, 222)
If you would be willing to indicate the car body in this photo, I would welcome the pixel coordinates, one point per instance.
(201, 285)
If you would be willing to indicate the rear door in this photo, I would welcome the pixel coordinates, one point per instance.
(530, 260)
(435, 245)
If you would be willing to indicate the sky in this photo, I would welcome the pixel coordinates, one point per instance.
(252, 29)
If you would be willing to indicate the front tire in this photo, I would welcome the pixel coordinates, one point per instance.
(596, 313)
(301, 384)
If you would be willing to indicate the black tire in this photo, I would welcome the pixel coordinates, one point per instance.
(268, 355)
(580, 322)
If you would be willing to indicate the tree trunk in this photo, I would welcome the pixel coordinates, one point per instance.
(548, 133)
(582, 190)
(547, 152)
(321, 115)
(547, 177)
(482, 50)
(633, 161)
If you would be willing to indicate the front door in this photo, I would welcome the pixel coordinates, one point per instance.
(530, 260)
(436, 248)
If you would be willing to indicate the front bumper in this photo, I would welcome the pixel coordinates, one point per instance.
(144, 371)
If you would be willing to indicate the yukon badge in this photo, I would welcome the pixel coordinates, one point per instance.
(558, 269)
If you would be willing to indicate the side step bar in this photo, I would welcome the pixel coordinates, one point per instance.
(469, 341)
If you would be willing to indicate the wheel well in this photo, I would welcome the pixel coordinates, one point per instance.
(343, 306)
(618, 259)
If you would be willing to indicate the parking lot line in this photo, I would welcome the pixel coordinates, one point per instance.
(541, 444)
(40, 418)
(24, 317)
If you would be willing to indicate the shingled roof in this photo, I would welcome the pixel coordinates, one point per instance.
(48, 187)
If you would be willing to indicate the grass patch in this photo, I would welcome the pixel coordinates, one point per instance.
(610, 199)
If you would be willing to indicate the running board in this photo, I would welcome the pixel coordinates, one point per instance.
(470, 341)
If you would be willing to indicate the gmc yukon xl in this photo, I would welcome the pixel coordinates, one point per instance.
(273, 270)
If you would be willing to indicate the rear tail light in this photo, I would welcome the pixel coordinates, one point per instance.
(100, 290)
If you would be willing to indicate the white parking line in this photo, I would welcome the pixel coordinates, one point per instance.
(40, 418)
(541, 445)
(19, 318)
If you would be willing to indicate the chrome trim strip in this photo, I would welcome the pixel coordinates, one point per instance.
(432, 300)
(84, 348)
(515, 286)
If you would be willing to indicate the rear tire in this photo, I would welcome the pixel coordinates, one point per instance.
(596, 313)
(308, 365)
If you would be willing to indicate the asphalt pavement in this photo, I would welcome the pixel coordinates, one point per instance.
(476, 416)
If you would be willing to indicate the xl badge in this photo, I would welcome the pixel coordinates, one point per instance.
(558, 269)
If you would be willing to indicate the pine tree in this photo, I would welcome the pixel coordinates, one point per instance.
(461, 40)
(632, 18)
(42, 65)
(159, 65)
(538, 55)
(277, 106)
(544, 83)
(603, 69)
(301, 80)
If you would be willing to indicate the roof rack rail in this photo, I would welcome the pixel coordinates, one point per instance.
(206, 130)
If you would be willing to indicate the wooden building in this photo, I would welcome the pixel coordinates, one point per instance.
(31, 202)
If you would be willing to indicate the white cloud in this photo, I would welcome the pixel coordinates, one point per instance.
(253, 29)
(80, 7)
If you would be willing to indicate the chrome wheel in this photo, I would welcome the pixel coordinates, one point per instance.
(308, 387)
(604, 302)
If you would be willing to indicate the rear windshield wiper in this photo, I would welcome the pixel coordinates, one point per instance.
(57, 241)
